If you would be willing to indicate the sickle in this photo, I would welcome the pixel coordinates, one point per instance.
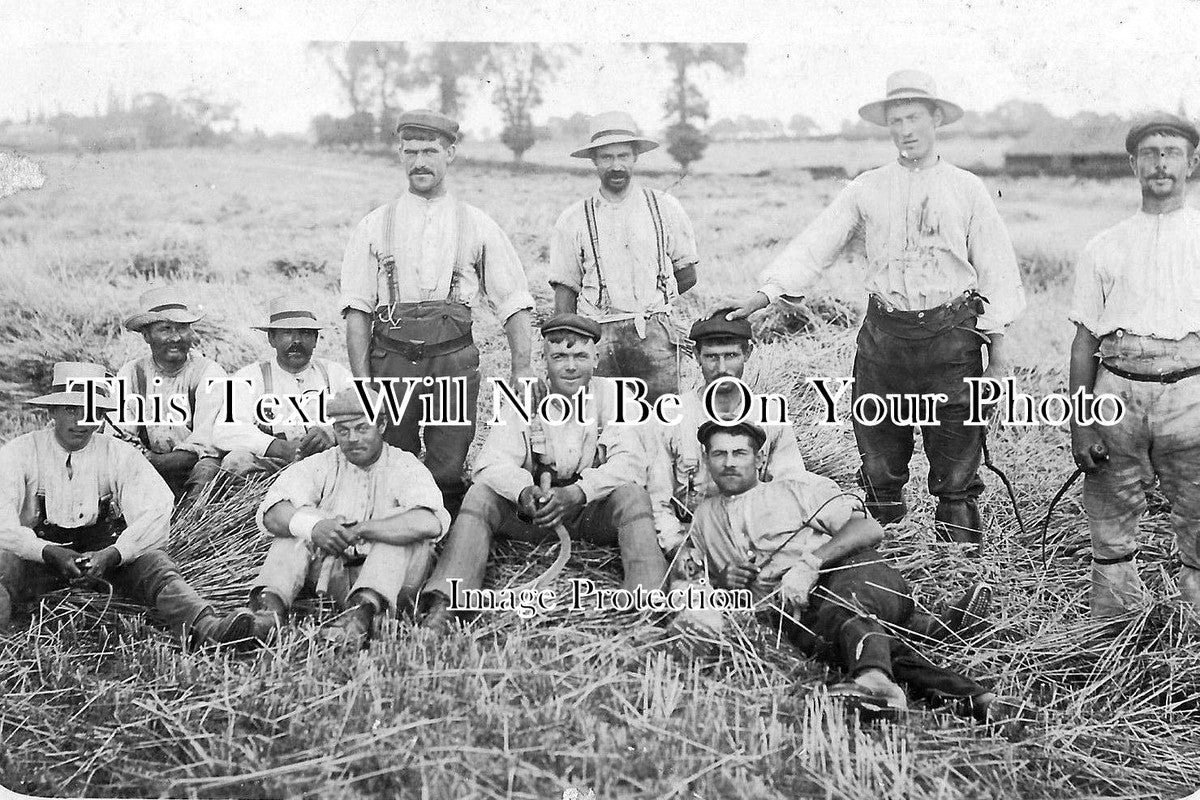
(564, 548)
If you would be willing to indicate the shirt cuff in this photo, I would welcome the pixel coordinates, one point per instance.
(30, 547)
(773, 291)
(518, 301)
(302, 523)
(356, 304)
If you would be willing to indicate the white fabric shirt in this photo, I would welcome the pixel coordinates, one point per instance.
(196, 437)
(757, 522)
(680, 466)
(629, 252)
(603, 459)
(397, 482)
(930, 235)
(35, 463)
(244, 434)
(1142, 276)
(426, 241)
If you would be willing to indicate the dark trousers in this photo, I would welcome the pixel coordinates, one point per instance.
(654, 359)
(190, 480)
(838, 629)
(890, 362)
(446, 446)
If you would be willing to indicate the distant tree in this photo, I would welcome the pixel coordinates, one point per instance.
(574, 127)
(802, 126)
(723, 130)
(1017, 117)
(684, 102)
(211, 121)
(445, 65)
(371, 75)
(519, 71)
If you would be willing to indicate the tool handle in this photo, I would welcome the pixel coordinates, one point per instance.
(324, 576)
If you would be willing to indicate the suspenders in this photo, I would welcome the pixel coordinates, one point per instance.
(660, 243)
(141, 387)
(387, 253)
(268, 383)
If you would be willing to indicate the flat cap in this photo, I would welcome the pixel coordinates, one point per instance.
(1160, 122)
(346, 404)
(574, 323)
(717, 325)
(708, 428)
(428, 120)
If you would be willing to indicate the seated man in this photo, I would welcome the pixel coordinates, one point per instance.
(679, 477)
(359, 521)
(596, 479)
(77, 505)
(182, 452)
(815, 546)
(253, 446)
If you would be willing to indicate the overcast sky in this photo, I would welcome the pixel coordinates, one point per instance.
(820, 59)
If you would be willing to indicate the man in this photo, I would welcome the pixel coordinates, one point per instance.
(182, 450)
(83, 508)
(680, 477)
(251, 444)
(622, 256)
(943, 280)
(359, 521)
(595, 471)
(811, 543)
(413, 273)
(1137, 336)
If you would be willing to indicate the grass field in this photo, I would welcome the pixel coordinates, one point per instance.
(511, 708)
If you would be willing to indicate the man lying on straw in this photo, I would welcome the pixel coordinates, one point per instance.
(253, 445)
(679, 477)
(595, 474)
(813, 545)
(357, 522)
(1137, 315)
(77, 506)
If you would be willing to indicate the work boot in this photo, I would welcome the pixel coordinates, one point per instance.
(438, 618)
(959, 521)
(355, 625)
(1189, 588)
(886, 510)
(967, 617)
(222, 630)
(270, 613)
(1117, 589)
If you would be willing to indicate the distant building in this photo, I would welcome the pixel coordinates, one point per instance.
(1064, 149)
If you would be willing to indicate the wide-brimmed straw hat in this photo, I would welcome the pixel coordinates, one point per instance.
(290, 313)
(163, 304)
(70, 386)
(909, 84)
(614, 127)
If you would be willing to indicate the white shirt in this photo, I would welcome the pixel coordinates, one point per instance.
(629, 248)
(35, 463)
(243, 433)
(425, 246)
(930, 235)
(195, 437)
(395, 483)
(1142, 276)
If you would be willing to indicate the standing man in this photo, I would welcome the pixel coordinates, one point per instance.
(413, 273)
(679, 476)
(622, 256)
(252, 445)
(183, 451)
(1136, 310)
(81, 506)
(943, 281)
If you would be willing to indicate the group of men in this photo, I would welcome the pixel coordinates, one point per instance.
(359, 505)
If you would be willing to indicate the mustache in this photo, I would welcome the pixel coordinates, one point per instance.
(298, 348)
(419, 172)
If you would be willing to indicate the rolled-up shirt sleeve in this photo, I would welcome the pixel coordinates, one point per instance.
(145, 501)
(1087, 295)
(503, 278)
(786, 462)
(416, 488)
(681, 236)
(661, 485)
(14, 537)
(500, 464)
(299, 484)
(990, 251)
(360, 279)
(815, 249)
(566, 250)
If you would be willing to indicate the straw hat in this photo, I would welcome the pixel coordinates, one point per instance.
(909, 84)
(614, 127)
(290, 313)
(70, 389)
(163, 304)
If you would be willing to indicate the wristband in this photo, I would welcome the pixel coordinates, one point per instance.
(302, 523)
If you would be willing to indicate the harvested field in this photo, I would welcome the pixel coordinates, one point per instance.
(98, 703)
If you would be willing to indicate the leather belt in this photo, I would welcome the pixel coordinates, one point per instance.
(418, 351)
(1166, 377)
